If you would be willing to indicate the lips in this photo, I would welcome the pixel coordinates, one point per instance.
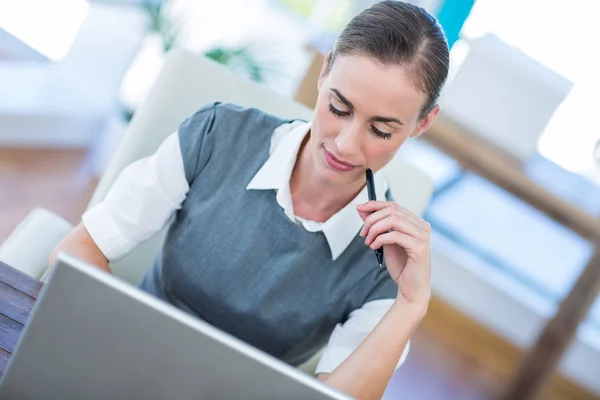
(340, 161)
(336, 163)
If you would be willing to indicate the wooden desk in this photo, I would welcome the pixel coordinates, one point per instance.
(18, 293)
(485, 160)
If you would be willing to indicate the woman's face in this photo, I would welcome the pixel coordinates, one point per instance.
(364, 112)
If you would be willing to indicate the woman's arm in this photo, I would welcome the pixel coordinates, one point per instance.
(406, 237)
(366, 372)
(138, 205)
(80, 244)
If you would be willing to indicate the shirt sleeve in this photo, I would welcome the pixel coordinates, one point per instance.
(140, 202)
(348, 336)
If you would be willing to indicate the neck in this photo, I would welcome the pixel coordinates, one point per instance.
(312, 197)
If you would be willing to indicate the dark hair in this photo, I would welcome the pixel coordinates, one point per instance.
(398, 33)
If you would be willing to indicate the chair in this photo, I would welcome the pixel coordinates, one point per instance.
(186, 82)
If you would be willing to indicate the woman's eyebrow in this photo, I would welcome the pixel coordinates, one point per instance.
(344, 100)
(350, 106)
(386, 120)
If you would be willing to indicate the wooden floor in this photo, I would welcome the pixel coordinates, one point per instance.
(58, 180)
(435, 370)
(443, 364)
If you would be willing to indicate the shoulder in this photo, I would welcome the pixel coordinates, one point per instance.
(222, 125)
(229, 116)
(222, 129)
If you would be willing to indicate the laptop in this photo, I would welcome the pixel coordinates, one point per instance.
(92, 336)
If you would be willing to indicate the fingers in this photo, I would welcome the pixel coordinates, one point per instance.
(414, 247)
(394, 222)
(405, 221)
(370, 219)
(369, 207)
(366, 209)
(363, 215)
(373, 205)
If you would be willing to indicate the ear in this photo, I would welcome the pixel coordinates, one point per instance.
(324, 71)
(426, 122)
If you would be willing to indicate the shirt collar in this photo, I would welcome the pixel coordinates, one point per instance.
(277, 170)
(343, 226)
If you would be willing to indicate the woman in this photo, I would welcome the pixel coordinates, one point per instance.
(272, 238)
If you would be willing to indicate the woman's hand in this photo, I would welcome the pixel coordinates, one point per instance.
(406, 241)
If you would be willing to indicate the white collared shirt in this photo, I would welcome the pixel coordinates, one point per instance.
(342, 227)
(149, 191)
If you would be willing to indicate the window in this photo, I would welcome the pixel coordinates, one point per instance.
(485, 221)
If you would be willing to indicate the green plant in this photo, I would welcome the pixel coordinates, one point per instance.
(301, 7)
(162, 23)
(244, 59)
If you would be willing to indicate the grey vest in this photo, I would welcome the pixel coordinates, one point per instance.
(234, 259)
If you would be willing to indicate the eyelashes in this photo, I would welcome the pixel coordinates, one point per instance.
(337, 112)
(374, 131)
(378, 133)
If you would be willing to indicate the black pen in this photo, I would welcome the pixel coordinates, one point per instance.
(372, 196)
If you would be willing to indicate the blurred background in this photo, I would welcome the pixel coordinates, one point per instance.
(514, 159)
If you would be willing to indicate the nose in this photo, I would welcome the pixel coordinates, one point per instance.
(348, 140)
